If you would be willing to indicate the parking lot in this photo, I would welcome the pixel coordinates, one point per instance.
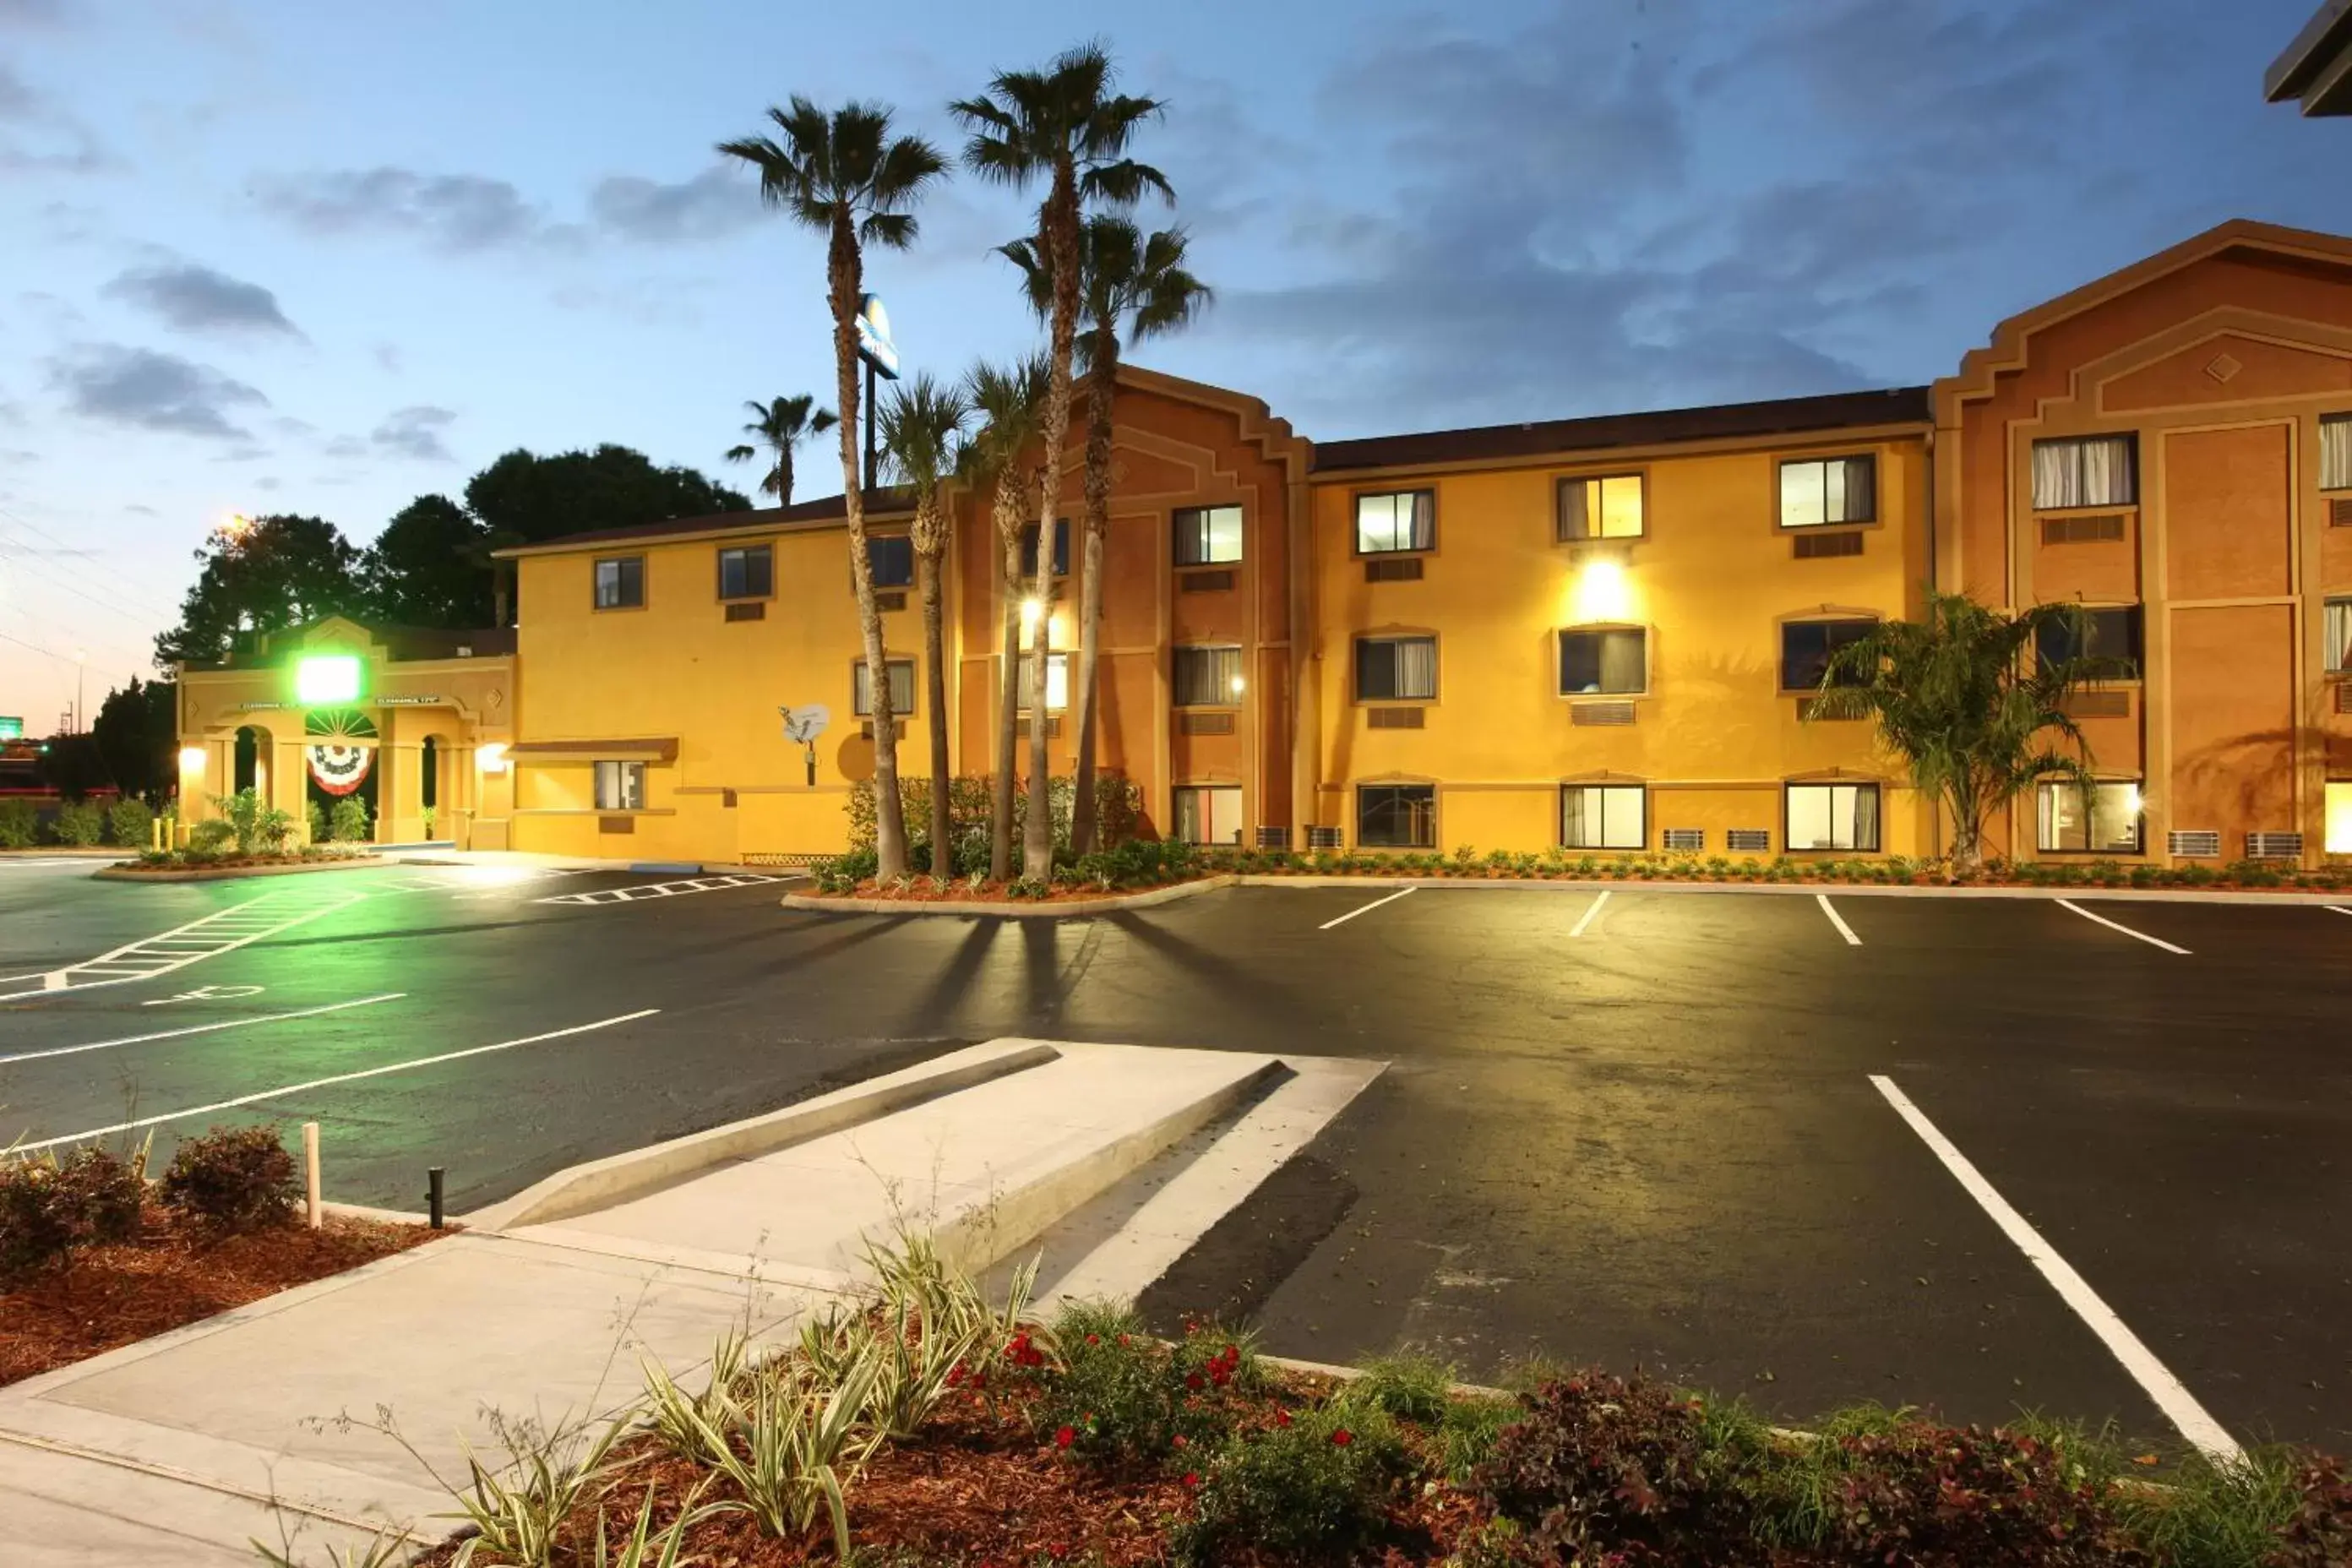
(1776, 1144)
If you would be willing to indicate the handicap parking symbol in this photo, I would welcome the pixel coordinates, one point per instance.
(209, 994)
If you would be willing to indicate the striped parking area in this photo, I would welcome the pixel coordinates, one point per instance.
(662, 890)
(215, 934)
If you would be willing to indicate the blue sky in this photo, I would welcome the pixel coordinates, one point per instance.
(290, 257)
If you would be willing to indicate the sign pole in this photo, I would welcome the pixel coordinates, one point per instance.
(869, 425)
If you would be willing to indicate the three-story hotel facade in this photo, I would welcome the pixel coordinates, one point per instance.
(1601, 634)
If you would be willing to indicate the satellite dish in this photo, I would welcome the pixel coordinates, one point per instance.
(803, 725)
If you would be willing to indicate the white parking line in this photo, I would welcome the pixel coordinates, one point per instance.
(1838, 921)
(661, 890)
(198, 1029)
(1376, 903)
(96, 1132)
(2336, 910)
(215, 934)
(1590, 910)
(2151, 940)
(2179, 1407)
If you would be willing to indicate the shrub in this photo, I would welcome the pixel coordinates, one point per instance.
(78, 823)
(209, 838)
(1936, 1496)
(19, 822)
(49, 1206)
(34, 1232)
(348, 821)
(1129, 1401)
(129, 824)
(234, 1179)
(1409, 1386)
(842, 873)
(1315, 1488)
(315, 815)
(102, 1194)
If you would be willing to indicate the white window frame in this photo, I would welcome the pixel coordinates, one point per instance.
(1394, 528)
(1595, 488)
(1058, 683)
(619, 786)
(2073, 471)
(1853, 793)
(2336, 451)
(1204, 525)
(1223, 686)
(1604, 808)
(1198, 811)
(861, 692)
(2051, 795)
(2336, 632)
(1795, 472)
(1356, 668)
(1559, 670)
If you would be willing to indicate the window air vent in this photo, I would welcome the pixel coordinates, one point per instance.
(2340, 511)
(616, 824)
(1814, 546)
(2194, 843)
(2273, 846)
(755, 611)
(1685, 840)
(2099, 705)
(1749, 840)
(890, 599)
(2344, 697)
(1603, 713)
(1206, 724)
(1407, 570)
(1323, 838)
(1393, 717)
(1053, 727)
(1270, 838)
(2107, 528)
(1204, 581)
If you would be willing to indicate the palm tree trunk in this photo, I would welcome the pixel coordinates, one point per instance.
(784, 476)
(1060, 223)
(1097, 491)
(889, 811)
(1000, 818)
(935, 678)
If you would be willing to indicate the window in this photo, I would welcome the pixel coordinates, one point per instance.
(749, 572)
(2336, 452)
(1605, 508)
(1398, 519)
(1819, 490)
(1393, 670)
(891, 558)
(2109, 633)
(1396, 817)
(2112, 826)
(901, 672)
(2339, 817)
(1058, 683)
(1208, 535)
(1061, 548)
(2089, 470)
(1209, 813)
(1806, 648)
(1208, 677)
(1612, 662)
(621, 582)
(2335, 629)
(1604, 817)
(1832, 816)
(620, 786)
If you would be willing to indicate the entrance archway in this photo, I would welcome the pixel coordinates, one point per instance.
(339, 754)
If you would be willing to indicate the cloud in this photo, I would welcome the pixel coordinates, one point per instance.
(16, 457)
(711, 205)
(456, 212)
(346, 448)
(197, 299)
(151, 391)
(37, 136)
(414, 433)
(138, 508)
(34, 13)
(387, 358)
(267, 482)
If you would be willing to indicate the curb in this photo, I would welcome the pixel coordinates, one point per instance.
(232, 873)
(1807, 889)
(67, 852)
(1068, 909)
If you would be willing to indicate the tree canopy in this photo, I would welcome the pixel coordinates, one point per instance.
(272, 573)
(525, 498)
(429, 567)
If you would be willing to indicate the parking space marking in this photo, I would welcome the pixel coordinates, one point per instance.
(2151, 940)
(1590, 910)
(1376, 903)
(1838, 921)
(662, 890)
(97, 1132)
(223, 931)
(198, 1029)
(2336, 910)
(2179, 1407)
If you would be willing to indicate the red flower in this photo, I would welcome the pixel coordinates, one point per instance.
(1192, 1381)
(1178, 1441)
(1282, 1418)
(1065, 1437)
(1097, 1339)
(1342, 1438)
(1191, 1477)
(1234, 1355)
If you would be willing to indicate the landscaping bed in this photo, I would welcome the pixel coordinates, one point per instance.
(186, 865)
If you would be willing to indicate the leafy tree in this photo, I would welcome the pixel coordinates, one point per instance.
(1966, 698)
(1128, 284)
(1009, 401)
(846, 176)
(137, 736)
(427, 567)
(71, 765)
(267, 574)
(780, 426)
(529, 499)
(921, 427)
(1065, 125)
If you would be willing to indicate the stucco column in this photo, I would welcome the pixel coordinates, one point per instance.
(288, 775)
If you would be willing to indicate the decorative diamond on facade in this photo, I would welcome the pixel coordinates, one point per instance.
(2222, 367)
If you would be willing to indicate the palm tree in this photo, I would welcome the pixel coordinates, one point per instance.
(1125, 280)
(845, 176)
(922, 423)
(1967, 699)
(780, 426)
(1064, 124)
(1010, 400)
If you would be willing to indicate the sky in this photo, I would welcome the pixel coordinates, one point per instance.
(282, 256)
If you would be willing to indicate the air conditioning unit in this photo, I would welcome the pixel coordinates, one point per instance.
(2273, 846)
(1270, 838)
(1323, 838)
(2194, 843)
(1749, 840)
(1684, 840)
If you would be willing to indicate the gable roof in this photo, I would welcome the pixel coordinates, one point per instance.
(884, 503)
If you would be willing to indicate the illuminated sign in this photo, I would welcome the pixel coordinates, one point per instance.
(874, 345)
(11, 729)
(327, 678)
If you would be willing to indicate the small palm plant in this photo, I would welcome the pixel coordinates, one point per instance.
(777, 429)
(922, 426)
(1965, 697)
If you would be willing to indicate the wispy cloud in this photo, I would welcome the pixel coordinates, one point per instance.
(39, 136)
(197, 299)
(456, 213)
(414, 433)
(151, 390)
(715, 203)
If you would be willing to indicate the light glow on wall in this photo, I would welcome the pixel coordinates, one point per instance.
(1031, 609)
(1601, 593)
(492, 758)
(327, 678)
(2339, 818)
(192, 760)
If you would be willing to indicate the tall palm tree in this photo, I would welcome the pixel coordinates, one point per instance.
(1126, 283)
(780, 426)
(1966, 698)
(923, 426)
(1063, 124)
(1010, 402)
(845, 176)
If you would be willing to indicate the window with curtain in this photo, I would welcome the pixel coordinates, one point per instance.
(1390, 669)
(1815, 491)
(2336, 452)
(892, 558)
(1061, 548)
(1209, 813)
(902, 687)
(1208, 535)
(621, 582)
(2111, 826)
(620, 786)
(1604, 817)
(749, 572)
(2336, 627)
(2086, 470)
(1832, 816)
(1208, 677)
(1396, 817)
(1806, 648)
(1611, 661)
(1396, 520)
(2111, 632)
(1058, 683)
(1609, 507)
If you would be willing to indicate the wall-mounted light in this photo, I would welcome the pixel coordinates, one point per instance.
(491, 758)
(1601, 592)
(1031, 611)
(1239, 684)
(192, 760)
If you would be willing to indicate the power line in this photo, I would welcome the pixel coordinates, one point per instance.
(37, 647)
(113, 602)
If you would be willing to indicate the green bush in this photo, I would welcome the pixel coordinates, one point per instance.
(842, 873)
(1122, 1398)
(1313, 1489)
(78, 822)
(210, 838)
(315, 815)
(129, 824)
(49, 1206)
(234, 1179)
(348, 821)
(19, 824)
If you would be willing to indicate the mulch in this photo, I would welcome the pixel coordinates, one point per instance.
(175, 1274)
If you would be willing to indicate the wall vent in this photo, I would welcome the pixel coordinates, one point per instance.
(2344, 696)
(1815, 546)
(1053, 727)
(1204, 581)
(1406, 571)
(1749, 840)
(616, 824)
(2099, 704)
(1323, 838)
(2340, 511)
(1684, 840)
(1601, 713)
(1272, 838)
(2273, 846)
(890, 599)
(1205, 723)
(755, 611)
(1393, 717)
(2106, 528)
(2194, 843)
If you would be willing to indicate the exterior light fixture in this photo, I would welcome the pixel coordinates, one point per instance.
(327, 678)
(1032, 610)
(1238, 684)
(492, 758)
(192, 760)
